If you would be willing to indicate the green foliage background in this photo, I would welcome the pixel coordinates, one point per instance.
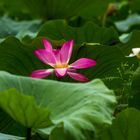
(107, 108)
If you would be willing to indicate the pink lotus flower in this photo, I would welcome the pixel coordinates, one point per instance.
(59, 60)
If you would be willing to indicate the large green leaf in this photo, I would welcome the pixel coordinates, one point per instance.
(126, 126)
(74, 108)
(18, 28)
(14, 53)
(90, 32)
(26, 111)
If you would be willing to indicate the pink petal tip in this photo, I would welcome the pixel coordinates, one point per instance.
(78, 77)
(47, 45)
(83, 63)
(66, 51)
(41, 73)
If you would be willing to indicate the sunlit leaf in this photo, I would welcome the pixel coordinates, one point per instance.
(79, 107)
(23, 109)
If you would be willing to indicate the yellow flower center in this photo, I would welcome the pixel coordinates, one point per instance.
(61, 66)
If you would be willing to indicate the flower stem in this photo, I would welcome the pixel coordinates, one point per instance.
(28, 134)
(104, 20)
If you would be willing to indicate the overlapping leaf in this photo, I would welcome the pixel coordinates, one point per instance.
(23, 109)
(77, 111)
(79, 107)
(89, 33)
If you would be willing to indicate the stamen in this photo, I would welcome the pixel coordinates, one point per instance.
(61, 66)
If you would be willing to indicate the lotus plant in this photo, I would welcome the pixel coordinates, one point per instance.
(59, 59)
